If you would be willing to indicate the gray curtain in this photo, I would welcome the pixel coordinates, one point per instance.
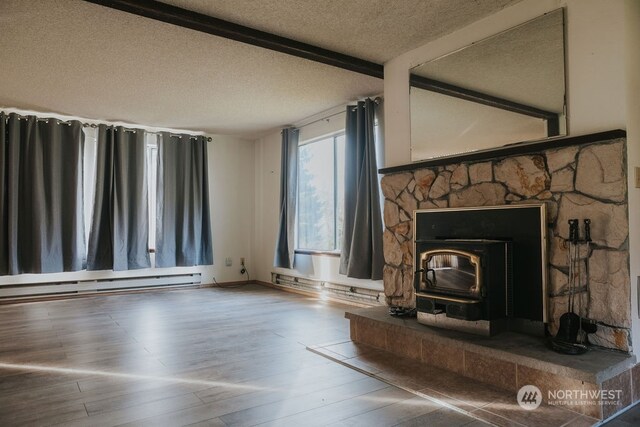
(361, 255)
(183, 226)
(41, 195)
(285, 244)
(119, 234)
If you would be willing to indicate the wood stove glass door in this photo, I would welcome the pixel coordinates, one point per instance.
(452, 272)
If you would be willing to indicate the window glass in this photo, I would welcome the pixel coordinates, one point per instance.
(320, 194)
(152, 173)
(340, 152)
(89, 177)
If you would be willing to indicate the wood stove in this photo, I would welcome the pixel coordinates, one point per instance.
(482, 270)
(465, 279)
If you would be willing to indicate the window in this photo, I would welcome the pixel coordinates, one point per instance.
(321, 194)
(89, 177)
(152, 174)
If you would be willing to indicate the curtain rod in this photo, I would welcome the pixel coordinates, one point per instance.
(326, 118)
(377, 100)
(93, 125)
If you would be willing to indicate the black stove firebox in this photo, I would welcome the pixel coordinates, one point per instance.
(465, 279)
(482, 270)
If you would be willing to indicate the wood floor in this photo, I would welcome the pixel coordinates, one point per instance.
(215, 357)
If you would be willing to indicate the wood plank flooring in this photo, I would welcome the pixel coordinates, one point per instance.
(209, 357)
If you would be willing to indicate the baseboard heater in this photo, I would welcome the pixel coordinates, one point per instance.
(82, 287)
(335, 290)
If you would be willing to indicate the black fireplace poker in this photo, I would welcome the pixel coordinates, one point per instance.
(566, 340)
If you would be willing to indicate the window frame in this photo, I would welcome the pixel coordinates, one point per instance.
(320, 252)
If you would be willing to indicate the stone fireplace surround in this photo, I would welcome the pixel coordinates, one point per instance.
(578, 177)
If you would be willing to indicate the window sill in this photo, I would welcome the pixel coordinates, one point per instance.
(313, 252)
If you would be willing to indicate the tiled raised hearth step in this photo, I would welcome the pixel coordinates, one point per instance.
(507, 361)
(486, 403)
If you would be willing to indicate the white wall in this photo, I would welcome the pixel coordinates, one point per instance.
(267, 200)
(231, 201)
(603, 85)
(231, 190)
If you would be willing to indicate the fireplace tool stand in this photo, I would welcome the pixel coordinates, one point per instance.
(573, 328)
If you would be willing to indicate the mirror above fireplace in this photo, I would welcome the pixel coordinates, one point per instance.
(505, 89)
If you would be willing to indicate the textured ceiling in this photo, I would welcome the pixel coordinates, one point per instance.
(375, 30)
(76, 58)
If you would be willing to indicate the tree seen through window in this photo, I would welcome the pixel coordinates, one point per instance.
(321, 194)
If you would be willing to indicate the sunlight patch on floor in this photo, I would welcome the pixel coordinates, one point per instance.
(123, 375)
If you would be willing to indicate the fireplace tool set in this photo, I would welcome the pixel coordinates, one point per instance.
(569, 339)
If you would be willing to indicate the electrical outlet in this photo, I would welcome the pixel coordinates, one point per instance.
(228, 261)
(242, 261)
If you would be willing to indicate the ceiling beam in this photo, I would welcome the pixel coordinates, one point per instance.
(218, 27)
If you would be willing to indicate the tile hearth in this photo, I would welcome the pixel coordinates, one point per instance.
(469, 397)
(490, 371)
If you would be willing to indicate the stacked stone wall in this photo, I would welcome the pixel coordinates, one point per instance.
(585, 181)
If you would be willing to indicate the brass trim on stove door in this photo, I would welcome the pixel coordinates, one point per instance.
(446, 298)
(544, 266)
(474, 259)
